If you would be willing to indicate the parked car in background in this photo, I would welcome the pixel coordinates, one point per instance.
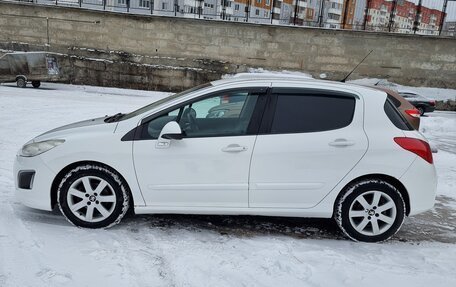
(265, 146)
(409, 111)
(423, 104)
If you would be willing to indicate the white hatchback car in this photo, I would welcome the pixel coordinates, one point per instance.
(254, 145)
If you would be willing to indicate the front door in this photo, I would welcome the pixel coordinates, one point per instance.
(209, 167)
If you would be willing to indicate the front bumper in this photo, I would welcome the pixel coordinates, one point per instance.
(420, 180)
(39, 194)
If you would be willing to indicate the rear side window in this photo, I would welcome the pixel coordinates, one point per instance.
(395, 116)
(395, 101)
(305, 113)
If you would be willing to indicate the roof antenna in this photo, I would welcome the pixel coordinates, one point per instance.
(346, 77)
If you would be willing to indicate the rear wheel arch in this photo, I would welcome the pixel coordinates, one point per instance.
(21, 77)
(58, 178)
(387, 178)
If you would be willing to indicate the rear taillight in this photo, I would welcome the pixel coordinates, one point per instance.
(432, 103)
(417, 146)
(413, 113)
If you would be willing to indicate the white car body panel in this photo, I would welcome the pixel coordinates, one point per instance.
(195, 176)
(194, 172)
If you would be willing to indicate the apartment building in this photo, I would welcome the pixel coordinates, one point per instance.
(382, 15)
(348, 14)
(386, 15)
(430, 21)
(449, 29)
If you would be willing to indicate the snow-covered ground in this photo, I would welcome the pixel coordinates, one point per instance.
(41, 249)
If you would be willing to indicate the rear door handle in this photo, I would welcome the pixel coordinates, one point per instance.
(234, 148)
(341, 143)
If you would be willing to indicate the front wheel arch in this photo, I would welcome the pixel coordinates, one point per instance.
(387, 178)
(58, 178)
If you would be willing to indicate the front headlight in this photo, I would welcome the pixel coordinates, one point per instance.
(36, 148)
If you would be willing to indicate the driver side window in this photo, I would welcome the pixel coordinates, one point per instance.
(224, 114)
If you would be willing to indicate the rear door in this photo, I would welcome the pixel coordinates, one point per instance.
(309, 140)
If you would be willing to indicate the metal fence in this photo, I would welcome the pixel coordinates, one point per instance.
(370, 15)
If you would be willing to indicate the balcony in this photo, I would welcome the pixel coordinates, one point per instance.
(335, 11)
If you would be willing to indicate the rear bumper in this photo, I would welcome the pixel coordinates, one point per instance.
(420, 180)
(38, 193)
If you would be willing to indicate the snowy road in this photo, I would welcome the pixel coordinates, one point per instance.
(41, 249)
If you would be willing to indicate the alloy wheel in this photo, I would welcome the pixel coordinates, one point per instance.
(91, 199)
(372, 213)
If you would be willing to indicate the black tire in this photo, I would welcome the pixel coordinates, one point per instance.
(36, 84)
(365, 188)
(116, 187)
(21, 82)
(421, 110)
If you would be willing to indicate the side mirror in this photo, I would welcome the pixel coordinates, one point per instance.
(171, 131)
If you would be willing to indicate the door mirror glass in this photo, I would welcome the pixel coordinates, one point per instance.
(171, 131)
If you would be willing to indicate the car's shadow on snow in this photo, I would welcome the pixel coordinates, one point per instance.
(241, 226)
(437, 225)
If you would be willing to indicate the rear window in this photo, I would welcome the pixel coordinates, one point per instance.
(395, 116)
(305, 113)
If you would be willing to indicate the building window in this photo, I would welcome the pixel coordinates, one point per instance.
(259, 1)
(165, 6)
(144, 3)
(121, 2)
(257, 12)
(333, 16)
(236, 7)
(268, 2)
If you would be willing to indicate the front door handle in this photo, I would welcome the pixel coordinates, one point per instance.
(234, 148)
(341, 143)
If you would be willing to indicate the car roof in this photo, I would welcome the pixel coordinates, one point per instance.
(246, 78)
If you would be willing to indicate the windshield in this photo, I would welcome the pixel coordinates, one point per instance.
(162, 101)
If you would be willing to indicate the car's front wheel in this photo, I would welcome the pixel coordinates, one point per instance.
(370, 210)
(93, 196)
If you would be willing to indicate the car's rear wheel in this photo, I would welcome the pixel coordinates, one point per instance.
(370, 211)
(421, 110)
(36, 84)
(93, 196)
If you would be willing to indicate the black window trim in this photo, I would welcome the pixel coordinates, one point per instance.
(399, 114)
(252, 129)
(274, 93)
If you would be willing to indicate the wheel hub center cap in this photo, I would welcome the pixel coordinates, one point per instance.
(92, 198)
(371, 212)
